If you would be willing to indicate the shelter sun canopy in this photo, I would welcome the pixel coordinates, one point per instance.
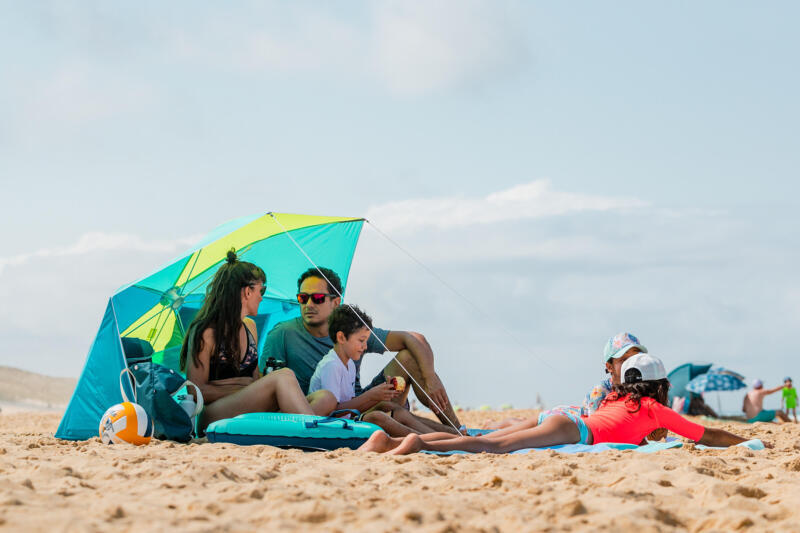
(156, 309)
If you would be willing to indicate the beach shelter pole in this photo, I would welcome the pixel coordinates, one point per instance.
(156, 309)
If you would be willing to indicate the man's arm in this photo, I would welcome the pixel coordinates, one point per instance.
(417, 345)
(770, 391)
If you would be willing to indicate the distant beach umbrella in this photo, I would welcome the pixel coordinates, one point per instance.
(717, 379)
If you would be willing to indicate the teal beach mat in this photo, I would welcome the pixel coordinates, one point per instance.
(650, 447)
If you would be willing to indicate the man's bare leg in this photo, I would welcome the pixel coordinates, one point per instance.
(433, 426)
(393, 427)
(407, 360)
(407, 419)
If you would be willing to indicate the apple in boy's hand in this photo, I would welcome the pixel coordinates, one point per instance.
(398, 383)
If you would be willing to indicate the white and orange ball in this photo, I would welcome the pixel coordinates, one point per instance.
(126, 422)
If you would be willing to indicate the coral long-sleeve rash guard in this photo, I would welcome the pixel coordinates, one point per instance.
(616, 421)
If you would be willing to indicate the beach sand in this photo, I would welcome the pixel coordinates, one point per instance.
(53, 485)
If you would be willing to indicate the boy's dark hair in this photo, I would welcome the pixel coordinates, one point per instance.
(333, 279)
(657, 389)
(347, 320)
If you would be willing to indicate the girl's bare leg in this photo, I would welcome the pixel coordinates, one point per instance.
(322, 402)
(555, 430)
(502, 424)
(526, 423)
(380, 442)
(277, 391)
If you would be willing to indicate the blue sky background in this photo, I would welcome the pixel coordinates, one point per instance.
(575, 169)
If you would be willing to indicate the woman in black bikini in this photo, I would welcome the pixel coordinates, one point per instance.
(220, 353)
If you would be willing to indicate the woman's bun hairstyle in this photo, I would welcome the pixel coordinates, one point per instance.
(231, 256)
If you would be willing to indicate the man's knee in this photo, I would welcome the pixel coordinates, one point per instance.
(407, 361)
(375, 417)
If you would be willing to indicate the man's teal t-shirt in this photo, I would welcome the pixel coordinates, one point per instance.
(291, 342)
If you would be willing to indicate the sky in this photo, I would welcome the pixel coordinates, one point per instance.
(569, 170)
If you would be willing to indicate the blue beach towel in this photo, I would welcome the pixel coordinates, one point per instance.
(650, 447)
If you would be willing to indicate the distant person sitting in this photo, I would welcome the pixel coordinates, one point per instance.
(348, 328)
(699, 407)
(789, 398)
(303, 341)
(753, 405)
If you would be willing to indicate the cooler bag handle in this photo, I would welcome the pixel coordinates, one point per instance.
(355, 412)
(199, 401)
(122, 389)
(327, 420)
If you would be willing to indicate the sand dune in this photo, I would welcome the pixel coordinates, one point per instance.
(28, 389)
(86, 486)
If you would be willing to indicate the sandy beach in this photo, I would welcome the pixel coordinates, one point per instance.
(53, 485)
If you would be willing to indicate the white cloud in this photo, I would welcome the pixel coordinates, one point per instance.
(99, 241)
(410, 49)
(531, 200)
(76, 93)
(429, 46)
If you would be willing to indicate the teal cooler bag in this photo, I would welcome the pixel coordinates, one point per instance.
(155, 388)
(285, 430)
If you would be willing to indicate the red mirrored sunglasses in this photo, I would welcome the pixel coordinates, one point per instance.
(317, 297)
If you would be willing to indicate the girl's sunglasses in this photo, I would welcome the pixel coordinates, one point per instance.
(263, 288)
(317, 297)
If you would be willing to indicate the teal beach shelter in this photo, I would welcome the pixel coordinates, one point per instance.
(149, 317)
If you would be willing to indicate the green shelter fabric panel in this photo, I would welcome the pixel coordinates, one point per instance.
(164, 278)
(226, 228)
(330, 246)
(131, 303)
(98, 386)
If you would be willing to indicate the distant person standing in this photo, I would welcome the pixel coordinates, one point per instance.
(789, 398)
(753, 405)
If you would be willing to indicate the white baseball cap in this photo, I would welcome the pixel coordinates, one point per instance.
(642, 367)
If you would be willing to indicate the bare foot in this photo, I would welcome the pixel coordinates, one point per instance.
(378, 442)
(412, 443)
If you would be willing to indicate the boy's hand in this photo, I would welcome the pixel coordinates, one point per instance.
(382, 392)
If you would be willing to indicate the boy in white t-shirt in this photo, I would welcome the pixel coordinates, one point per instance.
(336, 372)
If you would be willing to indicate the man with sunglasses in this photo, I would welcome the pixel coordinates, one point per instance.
(302, 342)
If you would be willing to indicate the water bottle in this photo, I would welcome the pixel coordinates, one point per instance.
(187, 403)
(273, 364)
